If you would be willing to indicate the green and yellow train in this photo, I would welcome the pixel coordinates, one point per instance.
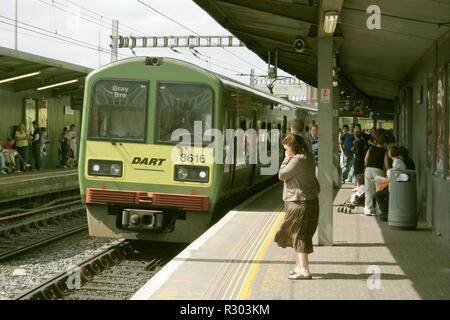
(139, 184)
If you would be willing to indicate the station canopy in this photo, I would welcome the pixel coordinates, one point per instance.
(372, 61)
(21, 71)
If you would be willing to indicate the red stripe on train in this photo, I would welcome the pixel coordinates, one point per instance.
(180, 201)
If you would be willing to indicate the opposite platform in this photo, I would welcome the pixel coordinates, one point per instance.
(35, 183)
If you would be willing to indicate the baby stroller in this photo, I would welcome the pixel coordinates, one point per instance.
(346, 207)
(356, 199)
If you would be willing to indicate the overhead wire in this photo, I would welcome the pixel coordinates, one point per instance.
(104, 24)
(105, 17)
(57, 36)
(68, 8)
(196, 33)
(102, 16)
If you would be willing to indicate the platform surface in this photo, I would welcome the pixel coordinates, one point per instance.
(29, 184)
(237, 259)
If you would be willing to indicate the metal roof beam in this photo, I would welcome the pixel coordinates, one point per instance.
(295, 11)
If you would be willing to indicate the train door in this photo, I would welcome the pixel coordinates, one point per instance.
(243, 171)
(251, 147)
(229, 155)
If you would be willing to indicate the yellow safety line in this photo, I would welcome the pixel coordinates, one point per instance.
(246, 256)
(254, 249)
(246, 288)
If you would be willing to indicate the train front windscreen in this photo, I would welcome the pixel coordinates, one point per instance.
(119, 110)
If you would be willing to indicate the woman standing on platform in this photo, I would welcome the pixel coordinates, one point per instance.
(377, 161)
(300, 191)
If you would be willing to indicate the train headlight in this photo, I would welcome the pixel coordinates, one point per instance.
(115, 169)
(182, 173)
(105, 168)
(191, 173)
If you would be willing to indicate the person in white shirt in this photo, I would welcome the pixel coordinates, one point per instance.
(382, 196)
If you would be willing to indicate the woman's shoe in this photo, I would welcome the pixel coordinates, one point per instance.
(299, 276)
(293, 271)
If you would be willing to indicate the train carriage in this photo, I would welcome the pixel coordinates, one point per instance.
(140, 183)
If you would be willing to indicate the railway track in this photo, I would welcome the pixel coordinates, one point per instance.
(115, 274)
(17, 238)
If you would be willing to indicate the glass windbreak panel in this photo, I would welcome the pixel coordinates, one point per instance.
(118, 110)
(179, 106)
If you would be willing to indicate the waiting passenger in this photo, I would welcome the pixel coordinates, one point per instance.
(382, 195)
(357, 198)
(36, 145)
(376, 159)
(72, 135)
(300, 191)
(3, 168)
(64, 148)
(298, 127)
(359, 151)
(21, 138)
(409, 163)
(345, 146)
(314, 143)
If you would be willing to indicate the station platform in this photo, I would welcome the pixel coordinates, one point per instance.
(237, 259)
(30, 184)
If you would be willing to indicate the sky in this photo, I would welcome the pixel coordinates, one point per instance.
(90, 22)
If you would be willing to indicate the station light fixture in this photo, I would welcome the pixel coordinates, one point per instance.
(57, 84)
(21, 77)
(330, 21)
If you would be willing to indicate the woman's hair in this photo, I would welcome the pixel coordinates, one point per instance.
(403, 152)
(296, 143)
(393, 151)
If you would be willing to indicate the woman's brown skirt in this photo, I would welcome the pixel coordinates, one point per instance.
(299, 226)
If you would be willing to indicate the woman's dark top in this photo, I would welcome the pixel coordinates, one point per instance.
(376, 157)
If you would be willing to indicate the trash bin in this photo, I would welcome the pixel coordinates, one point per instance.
(403, 200)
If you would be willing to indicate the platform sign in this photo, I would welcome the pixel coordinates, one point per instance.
(30, 114)
(325, 95)
(68, 111)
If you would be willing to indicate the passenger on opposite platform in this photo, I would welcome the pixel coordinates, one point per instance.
(65, 147)
(21, 138)
(300, 191)
(72, 136)
(36, 145)
(17, 159)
